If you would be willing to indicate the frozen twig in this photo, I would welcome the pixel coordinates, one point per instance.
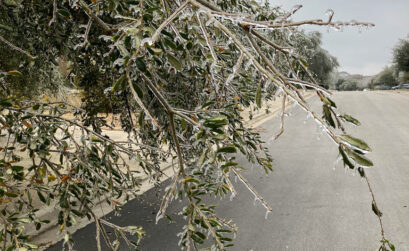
(206, 36)
(251, 189)
(16, 48)
(282, 117)
(139, 101)
(167, 21)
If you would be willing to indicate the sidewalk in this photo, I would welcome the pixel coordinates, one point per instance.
(50, 233)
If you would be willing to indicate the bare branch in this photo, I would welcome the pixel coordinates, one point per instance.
(236, 69)
(206, 36)
(167, 21)
(251, 189)
(54, 19)
(101, 23)
(207, 223)
(139, 101)
(16, 48)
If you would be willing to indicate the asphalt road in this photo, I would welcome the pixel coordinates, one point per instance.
(315, 207)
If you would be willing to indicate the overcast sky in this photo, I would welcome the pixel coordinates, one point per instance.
(359, 53)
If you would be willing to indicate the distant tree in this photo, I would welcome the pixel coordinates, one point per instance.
(401, 55)
(339, 83)
(320, 62)
(386, 77)
(349, 86)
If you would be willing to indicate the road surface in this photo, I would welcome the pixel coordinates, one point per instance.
(316, 204)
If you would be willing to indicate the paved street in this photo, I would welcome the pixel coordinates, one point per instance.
(315, 207)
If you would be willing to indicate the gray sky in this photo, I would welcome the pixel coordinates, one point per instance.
(359, 53)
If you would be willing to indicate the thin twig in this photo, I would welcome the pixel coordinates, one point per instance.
(54, 19)
(101, 23)
(282, 117)
(251, 189)
(375, 204)
(139, 101)
(167, 21)
(16, 48)
(206, 36)
(207, 223)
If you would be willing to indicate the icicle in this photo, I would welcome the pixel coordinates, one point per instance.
(248, 64)
(158, 217)
(336, 162)
(267, 212)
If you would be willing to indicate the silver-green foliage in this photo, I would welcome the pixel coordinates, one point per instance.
(179, 73)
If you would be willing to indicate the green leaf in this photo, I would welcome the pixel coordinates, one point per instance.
(5, 27)
(325, 100)
(358, 158)
(303, 62)
(332, 103)
(174, 62)
(30, 245)
(327, 115)
(228, 164)
(258, 96)
(36, 107)
(345, 158)
(95, 139)
(17, 168)
(358, 143)
(11, 195)
(64, 13)
(202, 158)
(227, 149)
(197, 239)
(140, 64)
(361, 172)
(216, 121)
(350, 119)
(15, 73)
(24, 220)
(41, 197)
(5, 103)
(376, 210)
(138, 90)
(119, 84)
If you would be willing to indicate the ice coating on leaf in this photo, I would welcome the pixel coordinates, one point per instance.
(147, 41)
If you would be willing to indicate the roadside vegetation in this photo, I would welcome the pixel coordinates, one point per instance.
(178, 74)
(396, 75)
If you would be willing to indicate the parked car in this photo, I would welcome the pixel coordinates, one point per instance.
(401, 86)
(382, 87)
